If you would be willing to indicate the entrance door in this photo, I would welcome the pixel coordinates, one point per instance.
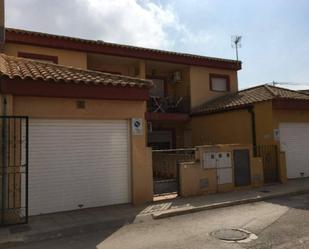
(242, 168)
(160, 139)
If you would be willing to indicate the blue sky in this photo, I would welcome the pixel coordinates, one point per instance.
(275, 44)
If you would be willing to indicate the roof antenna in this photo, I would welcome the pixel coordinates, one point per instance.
(236, 39)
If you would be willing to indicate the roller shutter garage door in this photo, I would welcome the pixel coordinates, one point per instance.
(294, 140)
(77, 164)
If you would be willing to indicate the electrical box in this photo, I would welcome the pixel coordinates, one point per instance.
(224, 159)
(225, 176)
(209, 160)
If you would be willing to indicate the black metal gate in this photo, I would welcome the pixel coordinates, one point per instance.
(165, 165)
(14, 170)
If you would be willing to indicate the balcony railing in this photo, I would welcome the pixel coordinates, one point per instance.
(169, 104)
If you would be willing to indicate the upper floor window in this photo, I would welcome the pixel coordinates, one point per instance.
(219, 83)
(39, 57)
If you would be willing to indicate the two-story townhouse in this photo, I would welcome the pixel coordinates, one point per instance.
(80, 96)
(181, 81)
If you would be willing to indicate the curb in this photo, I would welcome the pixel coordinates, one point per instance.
(190, 210)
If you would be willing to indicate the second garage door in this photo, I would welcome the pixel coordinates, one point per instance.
(294, 140)
(77, 164)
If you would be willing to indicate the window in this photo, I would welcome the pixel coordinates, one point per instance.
(219, 83)
(39, 57)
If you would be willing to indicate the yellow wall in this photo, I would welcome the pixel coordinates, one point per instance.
(113, 64)
(65, 57)
(263, 122)
(200, 86)
(281, 116)
(192, 173)
(39, 107)
(220, 128)
(235, 126)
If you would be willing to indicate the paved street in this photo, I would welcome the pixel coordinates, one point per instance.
(279, 223)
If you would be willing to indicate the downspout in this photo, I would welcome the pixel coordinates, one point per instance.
(253, 129)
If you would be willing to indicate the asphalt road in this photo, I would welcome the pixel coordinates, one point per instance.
(279, 223)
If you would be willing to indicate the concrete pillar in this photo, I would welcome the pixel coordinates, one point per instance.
(142, 69)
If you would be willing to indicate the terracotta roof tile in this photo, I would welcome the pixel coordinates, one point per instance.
(247, 97)
(15, 67)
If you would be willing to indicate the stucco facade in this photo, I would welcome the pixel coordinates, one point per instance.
(200, 84)
(65, 57)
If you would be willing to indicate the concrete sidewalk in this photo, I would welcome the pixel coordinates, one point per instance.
(114, 217)
(194, 204)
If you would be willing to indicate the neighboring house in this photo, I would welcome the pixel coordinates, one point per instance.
(181, 81)
(261, 115)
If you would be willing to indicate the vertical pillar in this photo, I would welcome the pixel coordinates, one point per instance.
(142, 69)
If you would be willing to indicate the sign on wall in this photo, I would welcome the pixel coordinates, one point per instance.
(277, 134)
(137, 126)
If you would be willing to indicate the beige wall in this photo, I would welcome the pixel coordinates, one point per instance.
(113, 64)
(221, 128)
(192, 173)
(281, 116)
(65, 57)
(263, 122)
(39, 107)
(200, 86)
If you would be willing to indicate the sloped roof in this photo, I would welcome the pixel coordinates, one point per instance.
(248, 97)
(125, 50)
(21, 68)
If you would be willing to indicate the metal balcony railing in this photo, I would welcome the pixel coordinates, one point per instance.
(169, 104)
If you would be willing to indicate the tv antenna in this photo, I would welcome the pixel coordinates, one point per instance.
(236, 43)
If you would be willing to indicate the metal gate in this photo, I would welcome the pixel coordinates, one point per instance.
(14, 170)
(165, 165)
(269, 155)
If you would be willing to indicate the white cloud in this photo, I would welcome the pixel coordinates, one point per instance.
(142, 23)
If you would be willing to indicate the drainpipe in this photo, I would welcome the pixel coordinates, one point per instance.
(253, 129)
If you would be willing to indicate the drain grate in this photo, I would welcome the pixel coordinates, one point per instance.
(231, 234)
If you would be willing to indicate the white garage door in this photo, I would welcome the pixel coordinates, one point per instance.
(294, 140)
(77, 164)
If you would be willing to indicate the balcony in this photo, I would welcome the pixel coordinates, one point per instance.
(169, 104)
